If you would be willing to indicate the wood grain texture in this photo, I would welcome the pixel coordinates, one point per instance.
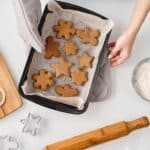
(2, 114)
(13, 100)
(99, 136)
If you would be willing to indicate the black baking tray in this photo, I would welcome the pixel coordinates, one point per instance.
(102, 60)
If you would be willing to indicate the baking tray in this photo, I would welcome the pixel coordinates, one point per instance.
(101, 63)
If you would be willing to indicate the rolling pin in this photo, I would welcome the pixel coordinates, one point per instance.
(99, 136)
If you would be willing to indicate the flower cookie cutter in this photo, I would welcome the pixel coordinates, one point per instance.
(2, 96)
(31, 124)
(9, 143)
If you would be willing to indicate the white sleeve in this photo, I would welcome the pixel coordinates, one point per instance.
(28, 14)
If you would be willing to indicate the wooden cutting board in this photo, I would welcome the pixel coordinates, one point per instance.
(12, 98)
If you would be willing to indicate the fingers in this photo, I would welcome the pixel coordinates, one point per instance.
(120, 58)
(111, 45)
(115, 49)
(119, 53)
(114, 58)
(113, 53)
(117, 62)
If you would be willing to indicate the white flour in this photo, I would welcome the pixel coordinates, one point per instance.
(143, 80)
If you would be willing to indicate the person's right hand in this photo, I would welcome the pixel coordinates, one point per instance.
(122, 49)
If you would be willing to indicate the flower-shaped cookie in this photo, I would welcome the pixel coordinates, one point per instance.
(43, 80)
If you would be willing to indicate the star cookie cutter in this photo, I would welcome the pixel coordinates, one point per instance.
(2, 96)
(9, 143)
(31, 124)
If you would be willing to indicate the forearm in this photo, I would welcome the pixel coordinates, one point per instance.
(140, 12)
(124, 43)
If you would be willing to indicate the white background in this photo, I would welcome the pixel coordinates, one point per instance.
(124, 104)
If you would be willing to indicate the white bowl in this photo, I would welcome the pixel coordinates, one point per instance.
(134, 78)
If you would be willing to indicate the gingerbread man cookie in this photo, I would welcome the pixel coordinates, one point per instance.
(85, 60)
(51, 48)
(70, 48)
(43, 80)
(88, 36)
(79, 77)
(62, 68)
(66, 91)
(64, 29)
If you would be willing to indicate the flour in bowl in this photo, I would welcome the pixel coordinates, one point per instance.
(142, 80)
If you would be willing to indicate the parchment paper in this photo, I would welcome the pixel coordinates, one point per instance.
(80, 20)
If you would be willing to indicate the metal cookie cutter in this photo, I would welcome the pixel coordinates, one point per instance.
(2, 96)
(9, 143)
(31, 124)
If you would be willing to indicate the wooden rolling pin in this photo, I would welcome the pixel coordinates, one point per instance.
(102, 135)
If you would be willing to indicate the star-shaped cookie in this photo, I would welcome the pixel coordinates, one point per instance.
(43, 80)
(66, 90)
(79, 77)
(85, 60)
(64, 29)
(62, 67)
(87, 35)
(70, 48)
(51, 48)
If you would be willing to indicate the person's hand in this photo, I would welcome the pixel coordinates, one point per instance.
(122, 48)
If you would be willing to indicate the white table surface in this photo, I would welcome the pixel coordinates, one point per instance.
(124, 104)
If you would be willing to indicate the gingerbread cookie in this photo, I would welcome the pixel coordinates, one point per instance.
(85, 60)
(88, 36)
(51, 48)
(66, 91)
(43, 80)
(70, 48)
(62, 68)
(64, 29)
(79, 77)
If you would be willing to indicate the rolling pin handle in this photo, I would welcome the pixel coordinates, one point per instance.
(138, 123)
